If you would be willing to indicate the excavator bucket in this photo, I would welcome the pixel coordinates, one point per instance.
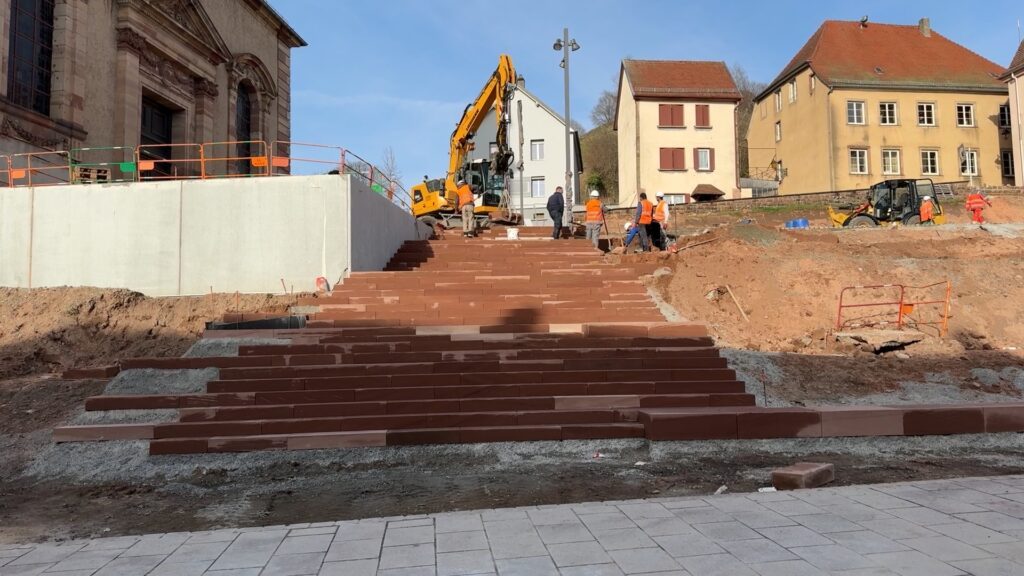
(838, 218)
(506, 218)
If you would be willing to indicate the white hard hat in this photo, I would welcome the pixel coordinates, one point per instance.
(660, 195)
(461, 181)
(627, 225)
(595, 194)
(927, 197)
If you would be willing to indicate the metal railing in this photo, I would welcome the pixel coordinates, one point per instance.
(170, 162)
(899, 309)
(195, 161)
(40, 169)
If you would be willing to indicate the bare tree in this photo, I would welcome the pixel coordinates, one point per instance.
(390, 166)
(603, 113)
(749, 89)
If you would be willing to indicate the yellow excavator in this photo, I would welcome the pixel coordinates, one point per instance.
(436, 198)
(891, 201)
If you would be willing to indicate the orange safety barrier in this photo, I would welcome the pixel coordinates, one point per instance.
(285, 159)
(170, 162)
(40, 169)
(900, 309)
(241, 159)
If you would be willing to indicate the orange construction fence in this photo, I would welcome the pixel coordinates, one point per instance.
(170, 162)
(899, 305)
(194, 161)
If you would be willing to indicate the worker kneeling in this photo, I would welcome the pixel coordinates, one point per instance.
(466, 206)
(595, 217)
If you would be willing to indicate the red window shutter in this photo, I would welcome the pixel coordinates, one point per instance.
(677, 115)
(712, 161)
(664, 115)
(679, 158)
(696, 159)
(666, 158)
(703, 115)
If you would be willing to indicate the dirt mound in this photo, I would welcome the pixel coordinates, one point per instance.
(788, 283)
(53, 329)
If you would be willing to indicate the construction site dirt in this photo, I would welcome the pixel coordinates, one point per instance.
(786, 282)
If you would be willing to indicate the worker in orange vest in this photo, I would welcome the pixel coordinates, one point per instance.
(466, 207)
(927, 210)
(642, 220)
(975, 204)
(595, 217)
(659, 228)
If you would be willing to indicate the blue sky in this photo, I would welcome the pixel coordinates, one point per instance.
(399, 73)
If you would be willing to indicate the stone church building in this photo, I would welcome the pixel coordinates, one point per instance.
(94, 73)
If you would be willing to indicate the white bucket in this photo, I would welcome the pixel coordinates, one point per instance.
(512, 233)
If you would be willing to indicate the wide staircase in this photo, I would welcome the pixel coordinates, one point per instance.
(485, 340)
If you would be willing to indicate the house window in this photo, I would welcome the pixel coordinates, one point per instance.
(31, 54)
(887, 114)
(244, 128)
(155, 134)
(778, 101)
(670, 116)
(792, 91)
(891, 162)
(1004, 116)
(858, 161)
(969, 163)
(854, 112)
(704, 158)
(673, 159)
(925, 114)
(778, 131)
(813, 82)
(537, 187)
(536, 149)
(703, 116)
(965, 115)
(930, 162)
(1006, 159)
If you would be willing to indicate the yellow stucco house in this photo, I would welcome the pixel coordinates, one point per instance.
(863, 102)
(1013, 157)
(676, 125)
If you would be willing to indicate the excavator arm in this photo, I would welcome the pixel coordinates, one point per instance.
(428, 199)
(497, 94)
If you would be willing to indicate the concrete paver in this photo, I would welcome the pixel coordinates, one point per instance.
(903, 529)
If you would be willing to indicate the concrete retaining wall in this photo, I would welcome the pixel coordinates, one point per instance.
(378, 230)
(189, 237)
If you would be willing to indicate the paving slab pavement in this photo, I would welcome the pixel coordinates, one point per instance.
(963, 527)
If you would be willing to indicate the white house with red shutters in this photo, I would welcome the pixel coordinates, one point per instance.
(676, 124)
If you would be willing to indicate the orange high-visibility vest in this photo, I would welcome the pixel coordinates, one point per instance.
(661, 211)
(594, 212)
(975, 202)
(465, 195)
(646, 212)
(927, 211)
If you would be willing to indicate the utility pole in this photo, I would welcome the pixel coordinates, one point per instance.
(567, 46)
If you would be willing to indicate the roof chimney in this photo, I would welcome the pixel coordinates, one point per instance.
(520, 81)
(925, 26)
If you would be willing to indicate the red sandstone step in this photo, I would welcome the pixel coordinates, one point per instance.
(394, 438)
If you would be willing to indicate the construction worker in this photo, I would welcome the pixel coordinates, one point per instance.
(927, 210)
(556, 209)
(975, 204)
(466, 206)
(642, 220)
(631, 233)
(660, 224)
(595, 217)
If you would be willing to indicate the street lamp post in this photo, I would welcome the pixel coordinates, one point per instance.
(567, 46)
